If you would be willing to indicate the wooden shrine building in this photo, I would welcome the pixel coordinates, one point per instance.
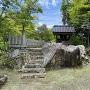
(63, 33)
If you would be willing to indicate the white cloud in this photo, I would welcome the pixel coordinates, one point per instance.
(48, 3)
(40, 23)
(50, 26)
(44, 3)
(55, 2)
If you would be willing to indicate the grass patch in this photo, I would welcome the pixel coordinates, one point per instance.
(63, 79)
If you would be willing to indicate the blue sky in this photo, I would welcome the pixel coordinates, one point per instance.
(51, 13)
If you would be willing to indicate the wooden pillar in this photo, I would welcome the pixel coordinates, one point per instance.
(24, 39)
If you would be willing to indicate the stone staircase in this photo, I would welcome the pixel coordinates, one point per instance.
(33, 68)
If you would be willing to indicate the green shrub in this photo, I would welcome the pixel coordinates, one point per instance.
(7, 62)
(76, 40)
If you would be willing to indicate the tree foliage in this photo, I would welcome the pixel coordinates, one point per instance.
(17, 15)
(45, 33)
(80, 12)
(64, 9)
(76, 13)
(25, 12)
(76, 40)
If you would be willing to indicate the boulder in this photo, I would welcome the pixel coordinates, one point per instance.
(59, 55)
(3, 79)
(67, 57)
(85, 54)
(88, 51)
(82, 50)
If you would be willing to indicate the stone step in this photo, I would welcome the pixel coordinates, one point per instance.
(32, 65)
(36, 53)
(33, 75)
(34, 46)
(36, 49)
(34, 70)
(37, 57)
(38, 61)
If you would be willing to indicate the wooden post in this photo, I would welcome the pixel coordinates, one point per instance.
(23, 31)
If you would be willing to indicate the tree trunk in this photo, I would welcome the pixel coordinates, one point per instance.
(23, 29)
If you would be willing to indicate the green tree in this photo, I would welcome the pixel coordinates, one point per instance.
(48, 36)
(25, 14)
(79, 13)
(64, 9)
(41, 31)
(45, 33)
(31, 32)
(7, 25)
(17, 15)
(4, 6)
(76, 13)
(76, 40)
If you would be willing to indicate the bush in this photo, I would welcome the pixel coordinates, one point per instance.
(76, 40)
(7, 62)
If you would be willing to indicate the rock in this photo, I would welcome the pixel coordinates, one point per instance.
(88, 51)
(84, 53)
(3, 79)
(86, 58)
(59, 55)
(49, 50)
(82, 49)
(66, 57)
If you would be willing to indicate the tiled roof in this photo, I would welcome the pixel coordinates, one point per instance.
(63, 28)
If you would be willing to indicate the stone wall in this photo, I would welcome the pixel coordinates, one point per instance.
(56, 55)
(35, 43)
(20, 44)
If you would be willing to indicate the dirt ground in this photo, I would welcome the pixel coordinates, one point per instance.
(63, 79)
